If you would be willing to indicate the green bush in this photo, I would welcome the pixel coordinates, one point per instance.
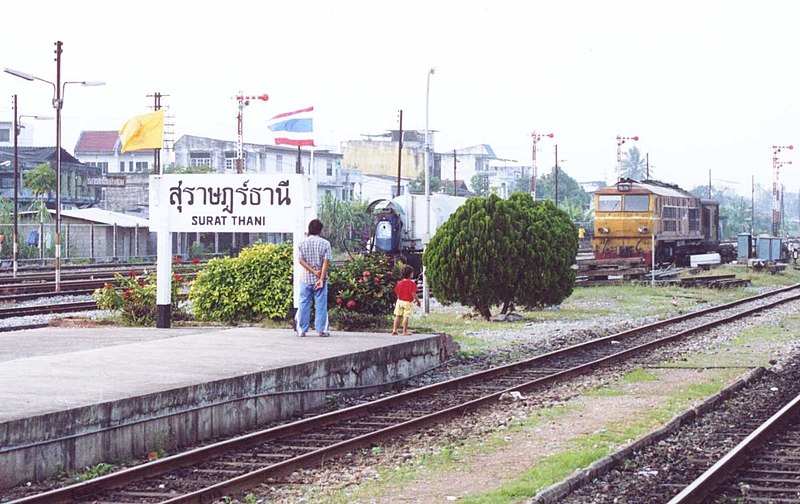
(503, 252)
(135, 298)
(255, 285)
(361, 291)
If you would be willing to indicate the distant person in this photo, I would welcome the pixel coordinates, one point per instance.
(315, 257)
(33, 238)
(406, 290)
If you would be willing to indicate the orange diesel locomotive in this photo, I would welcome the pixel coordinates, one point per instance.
(630, 216)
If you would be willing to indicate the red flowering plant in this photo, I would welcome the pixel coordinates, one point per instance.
(361, 291)
(133, 297)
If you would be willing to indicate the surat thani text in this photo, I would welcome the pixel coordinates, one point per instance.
(229, 220)
(227, 196)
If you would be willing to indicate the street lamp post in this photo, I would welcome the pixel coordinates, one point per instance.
(58, 103)
(15, 236)
(425, 293)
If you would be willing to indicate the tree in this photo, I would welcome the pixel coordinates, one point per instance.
(40, 180)
(480, 185)
(181, 170)
(503, 252)
(568, 189)
(522, 185)
(418, 184)
(347, 224)
(633, 165)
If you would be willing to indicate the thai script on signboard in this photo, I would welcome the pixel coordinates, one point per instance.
(227, 196)
(106, 181)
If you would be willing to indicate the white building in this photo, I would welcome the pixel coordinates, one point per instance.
(102, 149)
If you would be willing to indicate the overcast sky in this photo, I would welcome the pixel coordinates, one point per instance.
(704, 84)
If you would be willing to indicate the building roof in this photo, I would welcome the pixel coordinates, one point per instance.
(97, 141)
(40, 154)
(100, 216)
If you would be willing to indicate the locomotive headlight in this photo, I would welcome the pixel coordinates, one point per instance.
(644, 230)
(602, 230)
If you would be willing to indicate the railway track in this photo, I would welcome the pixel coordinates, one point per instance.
(763, 467)
(235, 465)
(25, 311)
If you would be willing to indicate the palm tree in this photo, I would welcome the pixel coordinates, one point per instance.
(633, 165)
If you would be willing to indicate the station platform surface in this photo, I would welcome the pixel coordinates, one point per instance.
(66, 392)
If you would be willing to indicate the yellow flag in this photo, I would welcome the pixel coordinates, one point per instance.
(143, 132)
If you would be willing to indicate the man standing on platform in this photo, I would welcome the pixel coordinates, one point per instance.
(315, 256)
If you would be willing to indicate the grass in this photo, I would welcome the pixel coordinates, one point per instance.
(585, 449)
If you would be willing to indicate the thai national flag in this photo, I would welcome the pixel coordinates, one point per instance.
(294, 128)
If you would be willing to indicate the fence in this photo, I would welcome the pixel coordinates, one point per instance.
(91, 243)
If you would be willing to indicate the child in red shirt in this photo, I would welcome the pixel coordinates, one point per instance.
(406, 290)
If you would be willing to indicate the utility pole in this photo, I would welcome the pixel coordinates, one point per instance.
(534, 170)
(243, 102)
(399, 153)
(156, 152)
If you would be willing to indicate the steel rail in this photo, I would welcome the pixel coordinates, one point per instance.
(118, 479)
(708, 482)
(25, 311)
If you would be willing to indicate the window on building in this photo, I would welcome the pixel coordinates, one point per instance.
(141, 166)
(609, 203)
(5, 135)
(130, 166)
(279, 163)
(122, 166)
(329, 168)
(200, 159)
(231, 160)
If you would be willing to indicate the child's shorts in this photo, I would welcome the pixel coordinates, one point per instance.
(404, 308)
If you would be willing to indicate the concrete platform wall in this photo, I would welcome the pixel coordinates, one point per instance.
(38, 447)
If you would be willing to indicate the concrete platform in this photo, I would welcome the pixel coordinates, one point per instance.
(74, 397)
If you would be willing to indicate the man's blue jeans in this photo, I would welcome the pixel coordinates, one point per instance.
(320, 297)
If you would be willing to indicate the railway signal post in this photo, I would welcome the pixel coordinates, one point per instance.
(243, 102)
(536, 137)
(776, 196)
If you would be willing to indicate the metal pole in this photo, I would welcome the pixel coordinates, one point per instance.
(455, 189)
(15, 238)
(425, 293)
(647, 162)
(399, 153)
(533, 168)
(57, 103)
(556, 177)
(752, 204)
(709, 183)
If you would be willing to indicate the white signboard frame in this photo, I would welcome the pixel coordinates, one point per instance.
(223, 203)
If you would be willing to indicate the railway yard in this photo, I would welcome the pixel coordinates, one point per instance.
(646, 387)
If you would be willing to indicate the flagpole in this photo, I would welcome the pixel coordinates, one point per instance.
(299, 166)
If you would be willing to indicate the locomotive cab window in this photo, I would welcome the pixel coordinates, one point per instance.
(609, 203)
(637, 203)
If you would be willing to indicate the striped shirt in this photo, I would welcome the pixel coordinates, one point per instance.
(314, 250)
